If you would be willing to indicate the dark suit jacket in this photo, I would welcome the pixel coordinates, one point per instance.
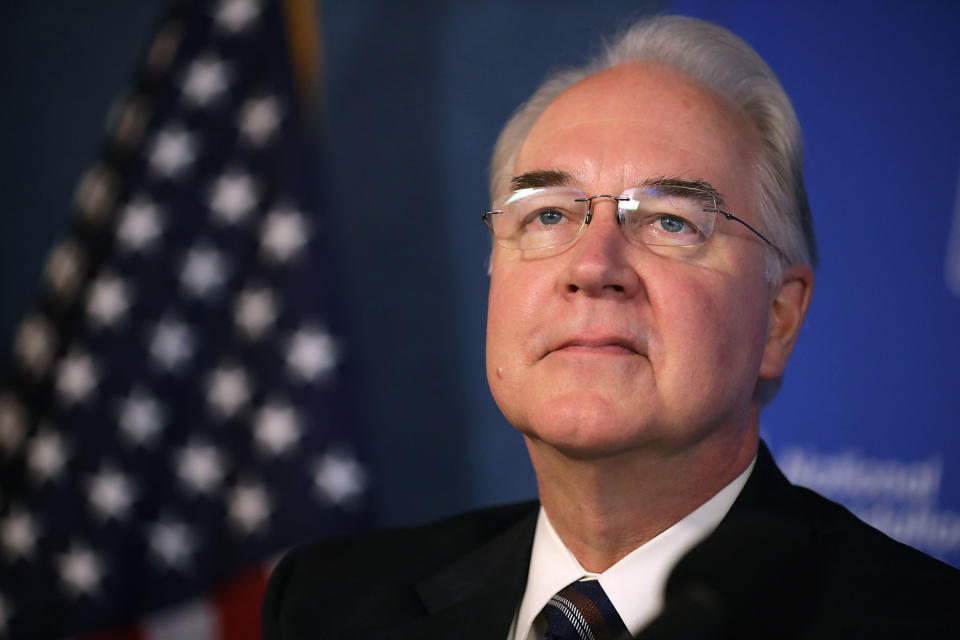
(784, 563)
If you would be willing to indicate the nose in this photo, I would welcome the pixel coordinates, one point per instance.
(599, 264)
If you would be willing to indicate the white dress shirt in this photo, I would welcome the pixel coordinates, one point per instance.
(635, 583)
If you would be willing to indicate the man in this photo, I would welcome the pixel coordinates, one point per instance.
(651, 268)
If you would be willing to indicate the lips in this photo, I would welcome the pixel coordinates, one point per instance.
(603, 344)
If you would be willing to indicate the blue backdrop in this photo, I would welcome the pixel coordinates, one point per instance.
(415, 94)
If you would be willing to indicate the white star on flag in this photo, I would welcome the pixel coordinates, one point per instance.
(276, 428)
(172, 543)
(140, 418)
(255, 311)
(140, 225)
(81, 570)
(64, 268)
(35, 343)
(249, 507)
(259, 118)
(47, 455)
(338, 477)
(204, 271)
(311, 354)
(206, 79)
(95, 193)
(233, 197)
(18, 534)
(228, 390)
(200, 467)
(12, 423)
(111, 494)
(77, 377)
(171, 344)
(173, 150)
(108, 300)
(284, 234)
(236, 15)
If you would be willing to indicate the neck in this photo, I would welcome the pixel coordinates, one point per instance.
(604, 508)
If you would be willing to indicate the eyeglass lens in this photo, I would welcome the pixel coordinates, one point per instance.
(540, 218)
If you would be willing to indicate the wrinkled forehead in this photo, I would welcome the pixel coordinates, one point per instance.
(640, 119)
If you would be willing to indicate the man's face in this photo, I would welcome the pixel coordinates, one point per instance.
(608, 346)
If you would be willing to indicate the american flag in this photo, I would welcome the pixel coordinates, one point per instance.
(174, 416)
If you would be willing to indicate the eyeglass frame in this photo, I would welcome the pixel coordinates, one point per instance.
(486, 218)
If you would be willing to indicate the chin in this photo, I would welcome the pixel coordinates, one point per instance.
(586, 426)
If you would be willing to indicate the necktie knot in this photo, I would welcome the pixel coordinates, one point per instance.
(582, 611)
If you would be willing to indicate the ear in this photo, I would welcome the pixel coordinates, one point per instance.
(788, 306)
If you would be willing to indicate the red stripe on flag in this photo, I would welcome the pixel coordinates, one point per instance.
(238, 605)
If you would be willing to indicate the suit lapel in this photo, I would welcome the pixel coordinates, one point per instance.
(476, 596)
(756, 569)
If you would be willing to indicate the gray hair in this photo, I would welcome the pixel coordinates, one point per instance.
(722, 62)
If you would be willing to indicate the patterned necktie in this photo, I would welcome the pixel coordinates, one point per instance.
(582, 611)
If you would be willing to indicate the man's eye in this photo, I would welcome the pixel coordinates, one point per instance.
(550, 216)
(673, 224)
(546, 217)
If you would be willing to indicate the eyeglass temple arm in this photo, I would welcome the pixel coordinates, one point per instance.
(485, 216)
(730, 216)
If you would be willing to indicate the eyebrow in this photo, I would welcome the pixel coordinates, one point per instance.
(542, 178)
(681, 187)
(668, 185)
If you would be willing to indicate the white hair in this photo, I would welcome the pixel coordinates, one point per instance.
(722, 62)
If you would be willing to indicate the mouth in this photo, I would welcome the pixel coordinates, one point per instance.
(603, 345)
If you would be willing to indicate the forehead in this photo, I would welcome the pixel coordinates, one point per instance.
(637, 120)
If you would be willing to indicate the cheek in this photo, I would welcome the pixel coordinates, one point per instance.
(522, 307)
(509, 323)
(515, 307)
(710, 335)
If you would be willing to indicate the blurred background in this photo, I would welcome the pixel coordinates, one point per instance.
(413, 95)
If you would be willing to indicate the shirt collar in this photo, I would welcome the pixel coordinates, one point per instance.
(635, 583)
